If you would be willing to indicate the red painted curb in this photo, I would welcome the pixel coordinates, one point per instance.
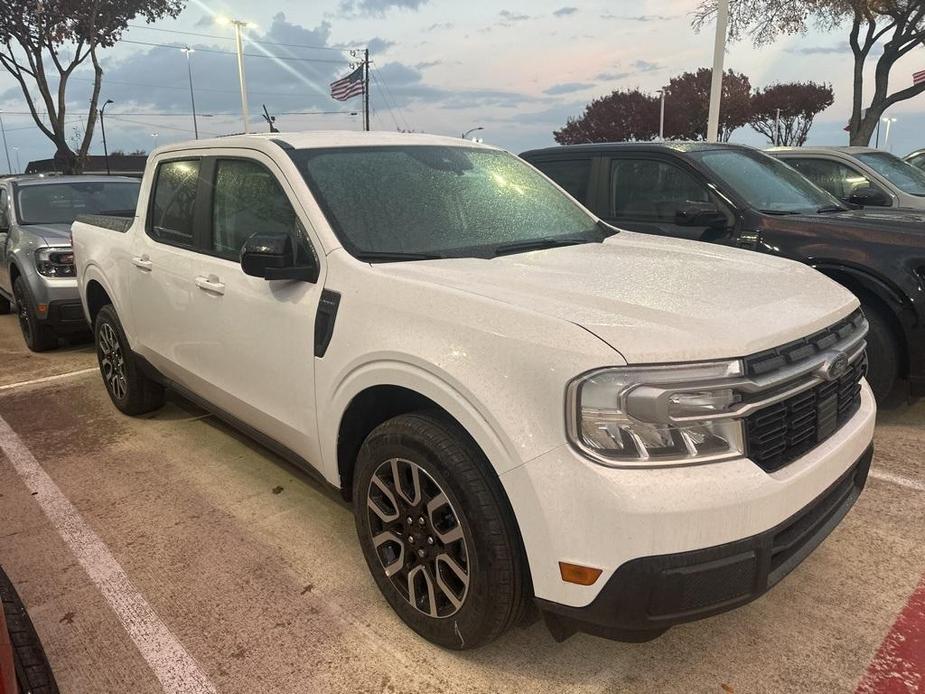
(899, 666)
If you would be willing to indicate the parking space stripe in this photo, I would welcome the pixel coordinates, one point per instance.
(899, 666)
(898, 480)
(174, 667)
(45, 379)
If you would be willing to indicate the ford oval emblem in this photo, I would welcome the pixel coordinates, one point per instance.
(835, 366)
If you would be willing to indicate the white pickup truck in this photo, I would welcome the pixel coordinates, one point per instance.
(527, 407)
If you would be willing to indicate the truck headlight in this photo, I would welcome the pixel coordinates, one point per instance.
(662, 415)
(55, 262)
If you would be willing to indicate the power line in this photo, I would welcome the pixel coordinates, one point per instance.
(250, 40)
(386, 102)
(249, 55)
(381, 81)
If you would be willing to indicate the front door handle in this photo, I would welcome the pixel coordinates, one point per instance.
(210, 284)
(143, 263)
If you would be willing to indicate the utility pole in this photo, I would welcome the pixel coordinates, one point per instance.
(661, 116)
(271, 120)
(366, 88)
(103, 128)
(192, 98)
(716, 84)
(9, 168)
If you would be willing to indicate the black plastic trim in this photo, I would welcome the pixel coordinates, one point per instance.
(61, 322)
(324, 320)
(646, 596)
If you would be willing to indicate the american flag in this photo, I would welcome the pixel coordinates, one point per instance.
(918, 77)
(349, 86)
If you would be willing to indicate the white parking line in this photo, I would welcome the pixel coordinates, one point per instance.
(898, 479)
(45, 379)
(173, 666)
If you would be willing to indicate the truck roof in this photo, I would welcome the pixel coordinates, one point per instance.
(317, 139)
(669, 146)
(40, 180)
(822, 149)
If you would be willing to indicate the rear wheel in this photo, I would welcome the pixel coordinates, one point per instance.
(129, 388)
(882, 354)
(436, 532)
(39, 337)
(33, 673)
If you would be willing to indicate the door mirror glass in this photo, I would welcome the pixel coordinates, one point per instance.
(869, 197)
(271, 256)
(700, 216)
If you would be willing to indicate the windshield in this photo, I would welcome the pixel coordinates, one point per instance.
(898, 172)
(398, 202)
(61, 203)
(766, 184)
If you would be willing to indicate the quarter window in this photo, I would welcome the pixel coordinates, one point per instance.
(175, 202)
(248, 199)
(572, 174)
(647, 189)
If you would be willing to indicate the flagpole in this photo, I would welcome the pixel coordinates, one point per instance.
(366, 89)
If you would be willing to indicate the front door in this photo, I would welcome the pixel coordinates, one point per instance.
(255, 338)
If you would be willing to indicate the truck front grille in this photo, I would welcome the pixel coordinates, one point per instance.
(780, 433)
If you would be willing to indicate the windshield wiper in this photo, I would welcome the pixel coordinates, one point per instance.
(537, 245)
(830, 208)
(394, 256)
(778, 212)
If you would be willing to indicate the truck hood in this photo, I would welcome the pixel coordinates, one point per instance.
(653, 299)
(871, 220)
(53, 234)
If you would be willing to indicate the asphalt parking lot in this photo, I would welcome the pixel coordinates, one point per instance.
(254, 569)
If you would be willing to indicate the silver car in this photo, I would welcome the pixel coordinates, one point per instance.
(860, 175)
(36, 261)
(916, 158)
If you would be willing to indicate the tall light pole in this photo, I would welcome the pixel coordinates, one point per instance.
(466, 134)
(886, 135)
(18, 165)
(716, 83)
(9, 168)
(189, 72)
(661, 116)
(154, 135)
(239, 26)
(103, 128)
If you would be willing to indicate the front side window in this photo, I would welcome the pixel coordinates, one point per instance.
(439, 201)
(652, 190)
(898, 172)
(832, 176)
(765, 183)
(572, 174)
(247, 199)
(174, 202)
(62, 203)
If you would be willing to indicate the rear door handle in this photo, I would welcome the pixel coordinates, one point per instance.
(143, 263)
(210, 284)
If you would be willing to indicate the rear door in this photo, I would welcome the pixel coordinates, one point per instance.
(254, 351)
(644, 193)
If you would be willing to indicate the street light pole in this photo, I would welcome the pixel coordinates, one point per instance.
(103, 128)
(192, 98)
(716, 83)
(242, 81)
(886, 135)
(465, 135)
(154, 135)
(18, 165)
(777, 128)
(9, 168)
(661, 116)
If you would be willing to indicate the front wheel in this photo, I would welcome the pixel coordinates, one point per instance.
(130, 390)
(882, 354)
(436, 531)
(39, 337)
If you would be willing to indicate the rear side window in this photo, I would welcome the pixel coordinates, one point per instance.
(174, 202)
(248, 199)
(651, 190)
(572, 174)
(840, 180)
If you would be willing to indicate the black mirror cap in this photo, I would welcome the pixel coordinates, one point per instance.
(701, 216)
(271, 257)
(869, 197)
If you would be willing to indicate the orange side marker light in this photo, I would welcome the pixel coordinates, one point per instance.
(575, 573)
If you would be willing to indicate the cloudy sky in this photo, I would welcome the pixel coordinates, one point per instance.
(517, 68)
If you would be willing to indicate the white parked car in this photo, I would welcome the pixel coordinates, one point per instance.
(525, 405)
(859, 175)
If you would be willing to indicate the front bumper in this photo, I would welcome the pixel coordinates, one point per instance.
(645, 596)
(66, 316)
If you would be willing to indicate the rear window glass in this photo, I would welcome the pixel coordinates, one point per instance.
(175, 201)
(61, 203)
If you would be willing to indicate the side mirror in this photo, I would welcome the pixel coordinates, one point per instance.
(271, 257)
(869, 197)
(700, 216)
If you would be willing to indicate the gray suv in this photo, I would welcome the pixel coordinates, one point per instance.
(36, 260)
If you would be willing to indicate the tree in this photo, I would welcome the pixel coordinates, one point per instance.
(687, 105)
(45, 41)
(897, 25)
(799, 103)
(619, 116)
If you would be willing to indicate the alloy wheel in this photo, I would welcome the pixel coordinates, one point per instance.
(418, 538)
(112, 362)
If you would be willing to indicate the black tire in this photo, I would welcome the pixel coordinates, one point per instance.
(33, 673)
(493, 597)
(882, 354)
(130, 390)
(38, 336)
